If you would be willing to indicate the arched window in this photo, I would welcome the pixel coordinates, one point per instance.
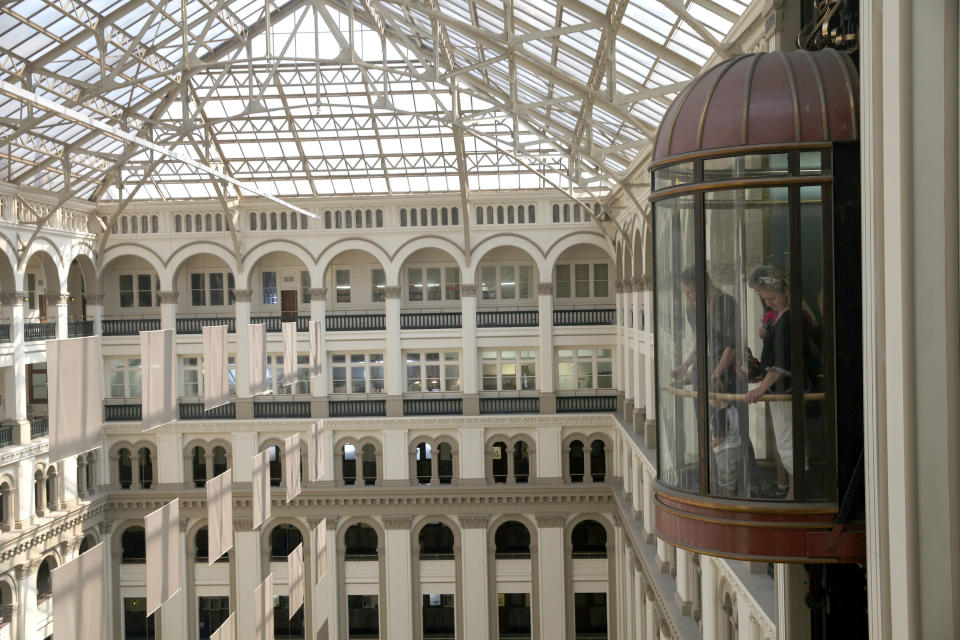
(45, 579)
(283, 219)
(303, 221)
(369, 461)
(403, 217)
(500, 215)
(576, 461)
(219, 221)
(479, 215)
(90, 471)
(293, 220)
(327, 224)
(123, 224)
(201, 547)
(155, 224)
(500, 464)
(512, 540)
(134, 546)
(219, 461)
(349, 464)
(134, 224)
(144, 221)
(86, 544)
(188, 222)
(444, 458)
(263, 221)
(6, 506)
(729, 627)
(198, 222)
(177, 223)
(145, 466)
(283, 540)
(434, 220)
(589, 540)
(39, 492)
(276, 466)
(436, 542)
(598, 461)
(521, 462)
(52, 489)
(454, 216)
(124, 468)
(360, 542)
(510, 214)
(273, 220)
(444, 216)
(253, 222)
(424, 463)
(199, 456)
(489, 215)
(208, 220)
(368, 218)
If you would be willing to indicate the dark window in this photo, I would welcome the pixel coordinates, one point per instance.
(590, 615)
(513, 615)
(136, 622)
(360, 542)
(598, 461)
(436, 542)
(211, 613)
(44, 581)
(512, 540)
(201, 548)
(283, 540)
(576, 461)
(499, 462)
(439, 620)
(363, 617)
(134, 545)
(284, 625)
(589, 540)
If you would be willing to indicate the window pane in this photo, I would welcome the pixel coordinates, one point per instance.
(563, 281)
(452, 275)
(585, 374)
(600, 281)
(378, 282)
(144, 291)
(528, 377)
(216, 289)
(582, 273)
(415, 284)
(343, 285)
(488, 284)
(451, 374)
(198, 295)
(269, 287)
(524, 282)
(433, 283)
(508, 283)
(565, 377)
(126, 291)
(489, 377)
(508, 376)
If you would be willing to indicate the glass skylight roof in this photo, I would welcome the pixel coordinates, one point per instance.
(315, 97)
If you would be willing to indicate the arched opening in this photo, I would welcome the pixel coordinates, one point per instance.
(369, 463)
(357, 281)
(53, 489)
(424, 463)
(145, 467)
(281, 285)
(199, 458)
(81, 282)
(507, 277)
(576, 461)
(444, 461)
(276, 465)
(284, 538)
(45, 578)
(6, 506)
(133, 543)
(90, 472)
(220, 462)
(436, 542)
(124, 468)
(729, 627)
(349, 463)
(598, 461)
(430, 279)
(361, 542)
(87, 543)
(521, 461)
(201, 547)
(131, 288)
(41, 284)
(499, 462)
(589, 540)
(512, 540)
(7, 606)
(39, 493)
(582, 277)
(209, 282)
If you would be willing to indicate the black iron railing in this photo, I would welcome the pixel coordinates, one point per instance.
(6, 435)
(583, 317)
(282, 409)
(433, 407)
(509, 405)
(122, 412)
(274, 324)
(586, 404)
(39, 427)
(438, 320)
(34, 331)
(129, 327)
(357, 322)
(357, 408)
(530, 318)
(186, 326)
(4, 333)
(194, 411)
(80, 328)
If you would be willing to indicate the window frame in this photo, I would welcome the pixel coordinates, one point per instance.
(127, 370)
(577, 358)
(444, 360)
(367, 365)
(566, 288)
(496, 293)
(447, 290)
(518, 360)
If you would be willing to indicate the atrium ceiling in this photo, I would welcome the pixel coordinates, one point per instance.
(139, 99)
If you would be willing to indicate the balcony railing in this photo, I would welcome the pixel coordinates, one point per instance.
(530, 318)
(282, 409)
(186, 326)
(357, 408)
(194, 411)
(274, 323)
(6, 435)
(122, 412)
(437, 320)
(583, 317)
(509, 405)
(4, 333)
(39, 427)
(34, 331)
(357, 322)
(586, 404)
(129, 327)
(433, 407)
(80, 328)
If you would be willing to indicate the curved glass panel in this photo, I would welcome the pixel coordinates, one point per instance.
(678, 448)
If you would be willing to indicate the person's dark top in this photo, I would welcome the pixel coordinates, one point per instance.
(776, 355)
(722, 324)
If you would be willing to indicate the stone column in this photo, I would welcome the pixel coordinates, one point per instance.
(19, 391)
(623, 337)
(320, 385)
(473, 463)
(170, 459)
(548, 397)
(247, 574)
(793, 615)
(709, 582)
(95, 311)
(684, 586)
(637, 472)
(476, 598)
(69, 487)
(325, 596)
(168, 309)
(630, 346)
(173, 614)
(63, 300)
(393, 367)
(26, 575)
(398, 621)
(241, 320)
(652, 630)
(40, 489)
(639, 401)
(649, 373)
(551, 561)
(468, 366)
(637, 602)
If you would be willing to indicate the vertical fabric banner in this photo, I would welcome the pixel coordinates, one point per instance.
(74, 396)
(227, 630)
(316, 348)
(321, 549)
(291, 465)
(316, 444)
(263, 616)
(289, 352)
(80, 603)
(216, 382)
(162, 531)
(257, 342)
(220, 515)
(158, 378)
(261, 487)
(295, 579)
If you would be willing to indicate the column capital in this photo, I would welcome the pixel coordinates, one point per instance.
(319, 293)
(391, 293)
(242, 525)
(105, 527)
(468, 291)
(545, 289)
(551, 520)
(94, 299)
(618, 286)
(183, 524)
(13, 297)
(168, 297)
(473, 521)
(243, 295)
(63, 299)
(643, 283)
(391, 523)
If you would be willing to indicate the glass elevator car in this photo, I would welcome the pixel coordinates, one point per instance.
(755, 192)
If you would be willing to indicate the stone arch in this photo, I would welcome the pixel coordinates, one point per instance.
(126, 249)
(39, 246)
(636, 254)
(45, 257)
(359, 444)
(179, 258)
(330, 253)
(253, 257)
(371, 522)
(10, 276)
(410, 247)
(590, 238)
(266, 540)
(423, 521)
(501, 240)
(9, 592)
(505, 520)
(9, 495)
(576, 519)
